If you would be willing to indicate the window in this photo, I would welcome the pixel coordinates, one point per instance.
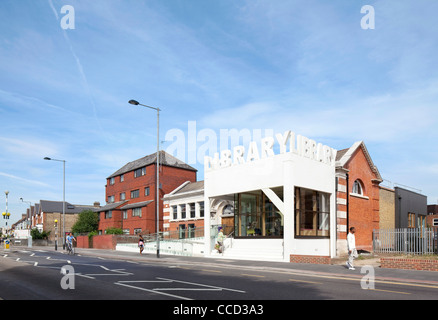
(175, 212)
(110, 199)
(146, 191)
(228, 210)
(122, 178)
(139, 172)
(192, 210)
(137, 231)
(125, 215)
(111, 181)
(136, 212)
(201, 209)
(135, 194)
(411, 220)
(125, 231)
(191, 229)
(257, 216)
(357, 188)
(122, 196)
(435, 222)
(421, 221)
(108, 214)
(312, 213)
(183, 211)
(182, 231)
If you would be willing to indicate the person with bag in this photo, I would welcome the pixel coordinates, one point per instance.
(220, 241)
(351, 247)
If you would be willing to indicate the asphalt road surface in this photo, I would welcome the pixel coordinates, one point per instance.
(31, 274)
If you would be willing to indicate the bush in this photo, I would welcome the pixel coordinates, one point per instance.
(36, 234)
(113, 231)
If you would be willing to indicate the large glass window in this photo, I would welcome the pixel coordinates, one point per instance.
(312, 213)
(257, 216)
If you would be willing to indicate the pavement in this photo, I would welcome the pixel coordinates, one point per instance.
(336, 269)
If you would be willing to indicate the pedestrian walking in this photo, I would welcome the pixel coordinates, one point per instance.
(351, 247)
(220, 240)
(141, 243)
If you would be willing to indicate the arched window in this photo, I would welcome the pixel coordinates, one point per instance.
(357, 188)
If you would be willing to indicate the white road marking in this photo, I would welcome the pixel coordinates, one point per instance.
(201, 287)
(152, 291)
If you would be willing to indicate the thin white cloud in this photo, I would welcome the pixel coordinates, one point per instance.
(20, 179)
(32, 102)
(27, 148)
(53, 9)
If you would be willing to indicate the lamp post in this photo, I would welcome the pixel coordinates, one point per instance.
(30, 213)
(56, 234)
(6, 214)
(63, 200)
(157, 193)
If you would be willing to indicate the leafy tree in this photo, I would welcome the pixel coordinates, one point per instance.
(88, 221)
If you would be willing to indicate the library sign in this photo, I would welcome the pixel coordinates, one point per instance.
(287, 142)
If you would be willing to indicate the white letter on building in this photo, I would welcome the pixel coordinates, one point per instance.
(267, 147)
(238, 155)
(282, 140)
(253, 152)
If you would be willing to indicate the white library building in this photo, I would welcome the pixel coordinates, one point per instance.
(284, 197)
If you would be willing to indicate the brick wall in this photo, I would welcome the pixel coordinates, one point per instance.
(387, 208)
(170, 178)
(49, 223)
(363, 210)
(310, 259)
(82, 242)
(409, 264)
(107, 241)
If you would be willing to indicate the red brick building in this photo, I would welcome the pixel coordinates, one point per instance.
(130, 193)
(358, 196)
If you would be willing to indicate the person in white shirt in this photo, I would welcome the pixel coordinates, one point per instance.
(351, 247)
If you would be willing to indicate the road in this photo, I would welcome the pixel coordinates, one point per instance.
(27, 274)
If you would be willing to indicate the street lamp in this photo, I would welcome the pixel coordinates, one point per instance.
(63, 200)
(56, 234)
(157, 197)
(6, 214)
(30, 213)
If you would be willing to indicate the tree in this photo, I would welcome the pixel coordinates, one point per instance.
(88, 221)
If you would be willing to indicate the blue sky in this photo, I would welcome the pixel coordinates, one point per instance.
(304, 65)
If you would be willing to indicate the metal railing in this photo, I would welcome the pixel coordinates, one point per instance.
(413, 241)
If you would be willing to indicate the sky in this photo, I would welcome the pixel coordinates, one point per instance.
(309, 66)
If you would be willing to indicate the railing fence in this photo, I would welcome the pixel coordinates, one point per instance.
(405, 241)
